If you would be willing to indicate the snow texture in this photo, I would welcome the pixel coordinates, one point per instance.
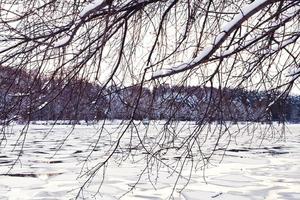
(265, 169)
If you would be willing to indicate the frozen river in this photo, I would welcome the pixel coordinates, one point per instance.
(265, 168)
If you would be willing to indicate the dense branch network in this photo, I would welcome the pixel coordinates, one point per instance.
(143, 54)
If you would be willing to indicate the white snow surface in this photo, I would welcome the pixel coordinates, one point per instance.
(257, 165)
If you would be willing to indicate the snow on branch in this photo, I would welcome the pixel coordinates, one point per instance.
(62, 41)
(92, 6)
(269, 50)
(204, 55)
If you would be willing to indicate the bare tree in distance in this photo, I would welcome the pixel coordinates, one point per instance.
(249, 45)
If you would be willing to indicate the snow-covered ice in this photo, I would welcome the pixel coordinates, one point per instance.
(268, 170)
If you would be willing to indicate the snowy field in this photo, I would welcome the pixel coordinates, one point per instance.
(255, 166)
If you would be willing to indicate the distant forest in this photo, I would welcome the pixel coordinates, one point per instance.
(29, 96)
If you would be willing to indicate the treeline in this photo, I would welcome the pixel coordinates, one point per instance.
(31, 96)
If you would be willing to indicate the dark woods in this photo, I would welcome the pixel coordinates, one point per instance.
(27, 96)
